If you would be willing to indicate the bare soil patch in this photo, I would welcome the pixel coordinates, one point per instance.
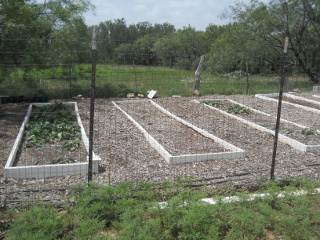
(288, 129)
(176, 138)
(299, 102)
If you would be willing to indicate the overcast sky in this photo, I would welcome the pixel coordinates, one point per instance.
(180, 13)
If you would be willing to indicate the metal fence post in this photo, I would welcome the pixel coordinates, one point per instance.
(282, 80)
(92, 99)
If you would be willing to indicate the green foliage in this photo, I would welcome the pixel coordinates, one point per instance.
(256, 37)
(309, 131)
(39, 222)
(63, 160)
(271, 127)
(215, 104)
(70, 145)
(305, 131)
(229, 108)
(237, 109)
(182, 48)
(135, 211)
(51, 123)
(54, 82)
(235, 74)
(290, 131)
(109, 90)
(40, 24)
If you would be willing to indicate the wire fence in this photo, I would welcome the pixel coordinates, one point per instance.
(145, 123)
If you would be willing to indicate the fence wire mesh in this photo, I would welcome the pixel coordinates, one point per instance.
(222, 134)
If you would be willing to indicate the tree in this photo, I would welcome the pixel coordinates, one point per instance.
(126, 44)
(140, 52)
(73, 43)
(27, 28)
(270, 24)
(182, 48)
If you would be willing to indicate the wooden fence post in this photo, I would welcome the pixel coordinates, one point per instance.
(196, 85)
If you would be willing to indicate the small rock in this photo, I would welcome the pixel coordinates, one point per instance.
(297, 90)
(140, 96)
(196, 93)
(78, 97)
(130, 95)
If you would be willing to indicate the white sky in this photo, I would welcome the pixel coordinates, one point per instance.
(180, 13)
(198, 13)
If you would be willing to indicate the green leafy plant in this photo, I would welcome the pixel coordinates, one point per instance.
(271, 127)
(63, 160)
(232, 108)
(215, 104)
(237, 109)
(289, 131)
(309, 131)
(52, 123)
(70, 145)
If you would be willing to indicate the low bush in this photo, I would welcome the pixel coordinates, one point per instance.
(135, 211)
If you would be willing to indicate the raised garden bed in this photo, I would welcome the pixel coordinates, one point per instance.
(298, 136)
(175, 139)
(296, 101)
(43, 150)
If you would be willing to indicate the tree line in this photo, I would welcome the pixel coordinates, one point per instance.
(38, 35)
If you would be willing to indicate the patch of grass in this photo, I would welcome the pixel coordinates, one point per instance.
(60, 82)
(132, 211)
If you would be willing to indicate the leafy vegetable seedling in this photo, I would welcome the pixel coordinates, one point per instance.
(232, 108)
(309, 131)
(51, 124)
(237, 109)
(290, 131)
(63, 161)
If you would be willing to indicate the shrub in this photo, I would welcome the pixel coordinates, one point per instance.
(39, 222)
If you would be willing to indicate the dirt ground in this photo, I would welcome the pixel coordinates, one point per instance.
(127, 156)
